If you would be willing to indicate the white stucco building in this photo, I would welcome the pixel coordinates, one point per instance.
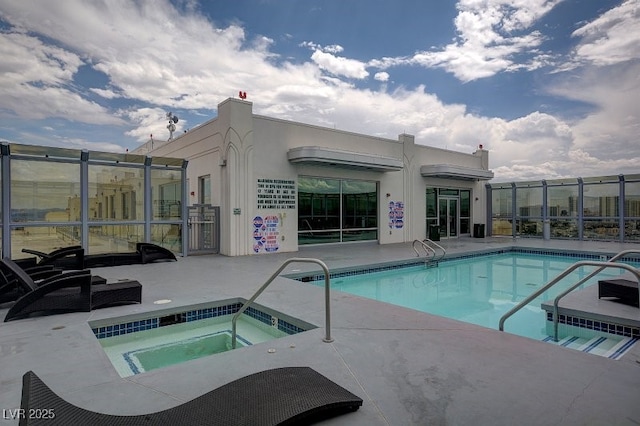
(281, 184)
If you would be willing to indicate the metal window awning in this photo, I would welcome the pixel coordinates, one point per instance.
(337, 158)
(448, 171)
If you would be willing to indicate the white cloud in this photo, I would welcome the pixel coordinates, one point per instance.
(605, 75)
(340, 66)
(334, 48)
(381, 76)
(105, 93)
(490, 34)
(325, 57)
(37, 82)
(612, 38)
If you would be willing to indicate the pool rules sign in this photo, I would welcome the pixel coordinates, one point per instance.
(276, 194)
(273, 194)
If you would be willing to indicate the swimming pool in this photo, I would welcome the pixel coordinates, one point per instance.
(474, 289)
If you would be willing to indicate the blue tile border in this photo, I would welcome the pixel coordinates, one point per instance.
(595, 325)
(125, 328)
(193, 315)
(367, 269)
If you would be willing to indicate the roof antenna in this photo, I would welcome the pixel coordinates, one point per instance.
(173, 119)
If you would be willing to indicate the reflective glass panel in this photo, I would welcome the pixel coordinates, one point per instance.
(600, 229)
(319, 204)
(116, 238)
(562, 201)
(204, 187)
(359, 204)
(529, 201)
(465, 204)
(432, 203)
(632, 199)
(334, 210)
(168, 236)
(530, 227)
(166, 194)
(501, 211)
(116, 193)
(43, 238)
(601, 200)
(632, 230)
(561, 228)
(45, 191)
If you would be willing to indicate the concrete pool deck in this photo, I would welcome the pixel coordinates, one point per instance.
(409, 367)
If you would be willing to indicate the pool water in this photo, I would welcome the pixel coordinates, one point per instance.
(476, 290)
(147, 350)
(162, 355)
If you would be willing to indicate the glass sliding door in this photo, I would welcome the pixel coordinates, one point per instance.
(448, 217)
(448, 212)
(336, 210)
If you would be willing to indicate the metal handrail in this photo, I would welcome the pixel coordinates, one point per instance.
(426, 248)
(603, 265)
(551, 283)
(327, 297)
(444, 252)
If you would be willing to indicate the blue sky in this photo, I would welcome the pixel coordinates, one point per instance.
(550, 87)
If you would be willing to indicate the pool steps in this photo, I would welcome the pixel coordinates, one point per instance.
(608, 347)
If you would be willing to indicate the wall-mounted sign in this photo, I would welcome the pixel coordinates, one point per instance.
(396, 214)
(276, 194)
(265, 234)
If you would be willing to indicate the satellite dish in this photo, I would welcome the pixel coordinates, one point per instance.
(175, 119)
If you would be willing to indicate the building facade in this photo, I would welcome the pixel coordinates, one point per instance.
(282, 184)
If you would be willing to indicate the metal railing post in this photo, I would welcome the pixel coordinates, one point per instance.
(327, 297)
(551, 283)
(602, 265)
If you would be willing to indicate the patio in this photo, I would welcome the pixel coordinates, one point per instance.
(409, 367)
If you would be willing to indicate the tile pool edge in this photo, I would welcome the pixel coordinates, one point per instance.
(417, 261)
(116, 326)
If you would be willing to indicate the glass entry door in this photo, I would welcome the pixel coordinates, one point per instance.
(448, 215)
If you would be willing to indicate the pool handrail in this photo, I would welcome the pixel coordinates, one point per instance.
(428, 248)
(327, 297)
(444, 251)
(603, 265)
(566, 272)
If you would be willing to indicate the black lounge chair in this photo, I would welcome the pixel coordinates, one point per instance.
(145, 253)
(68, 258)
(9, 291)
(9, 288)
(282, 396)
(69, 292)
(622, 290)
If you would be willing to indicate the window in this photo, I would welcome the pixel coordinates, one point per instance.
(204, 189)
(336, 210)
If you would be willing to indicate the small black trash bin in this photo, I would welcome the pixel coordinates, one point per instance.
(478, 230)
(434, 232)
